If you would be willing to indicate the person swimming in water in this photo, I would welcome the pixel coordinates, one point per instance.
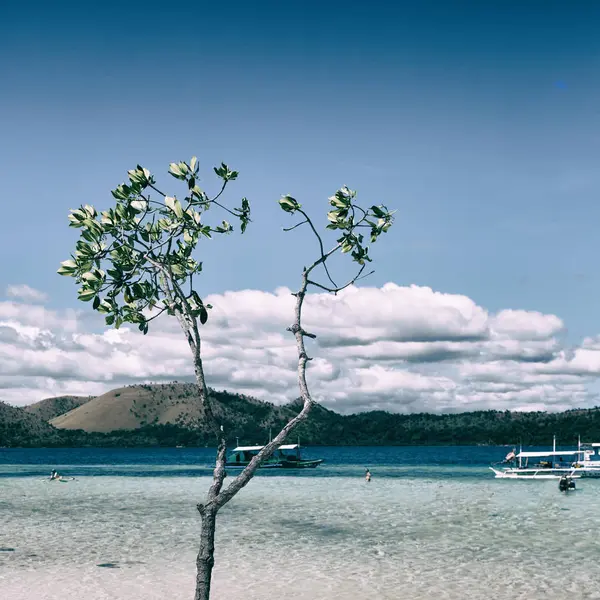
(367, 475)
(54, 475)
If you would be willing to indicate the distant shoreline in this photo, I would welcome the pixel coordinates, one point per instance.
(168, 415)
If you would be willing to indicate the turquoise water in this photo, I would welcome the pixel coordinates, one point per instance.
(446, 529)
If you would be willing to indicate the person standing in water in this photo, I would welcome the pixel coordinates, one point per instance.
(367, 476)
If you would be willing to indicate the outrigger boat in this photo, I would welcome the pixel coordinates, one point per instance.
(549, 465)
(589, 467)
(285, 457)
(554, 464)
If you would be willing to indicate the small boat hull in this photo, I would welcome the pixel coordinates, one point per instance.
(531, 474)
(301, 464)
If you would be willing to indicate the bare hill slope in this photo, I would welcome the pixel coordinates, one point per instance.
(136, 406)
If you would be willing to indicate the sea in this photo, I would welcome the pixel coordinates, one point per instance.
(433, 523)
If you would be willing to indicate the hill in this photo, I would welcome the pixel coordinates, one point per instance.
(168, 415)
(138, 406)
(21, 428)
(174, 407)
(53, 407)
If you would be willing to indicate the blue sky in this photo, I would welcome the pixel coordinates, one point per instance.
(478, 121)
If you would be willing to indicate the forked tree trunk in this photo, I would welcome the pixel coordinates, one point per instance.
(206, 555)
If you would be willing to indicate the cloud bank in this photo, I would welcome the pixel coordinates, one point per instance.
(26, 293)
(402, 349)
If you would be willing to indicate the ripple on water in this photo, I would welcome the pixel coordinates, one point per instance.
(304, 538)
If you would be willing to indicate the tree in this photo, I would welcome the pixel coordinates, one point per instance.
(135, 262)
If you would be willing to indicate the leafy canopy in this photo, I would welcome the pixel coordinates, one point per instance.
(348, 219)
(133, 260)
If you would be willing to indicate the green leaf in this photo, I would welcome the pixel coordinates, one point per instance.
(67, 268)
(177, 269)
(339, 200)
(104, 307)
(175, 206)
(196, 191)
(289, 204)
(109, 319)
(176, 171)
(85, 295)
(225, 227)
(138, 290)
(121, 192)
(139, 205)
(203, 315)
(225, 173)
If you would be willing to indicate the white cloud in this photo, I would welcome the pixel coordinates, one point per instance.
(406, 349)
(26, 293)
(525, 325)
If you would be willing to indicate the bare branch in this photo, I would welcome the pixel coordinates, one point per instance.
(320, 244)
(169, 293)
(246, 475)
(191, 323)
(150, 185)
(219, 472)
(231, 212)
(220, 192)
(294, 329)
(294, 226)
(339, 289)
(162, 310)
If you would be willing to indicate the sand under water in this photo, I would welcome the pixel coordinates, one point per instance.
(455, 533)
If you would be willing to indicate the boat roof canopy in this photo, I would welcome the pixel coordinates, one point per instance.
(245, 448)
(540, 454)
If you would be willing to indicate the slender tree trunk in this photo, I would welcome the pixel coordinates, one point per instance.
(206, 555)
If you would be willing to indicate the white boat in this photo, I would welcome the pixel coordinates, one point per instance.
(540, 465)
(552, 464)
(589, 466)
(285, 457)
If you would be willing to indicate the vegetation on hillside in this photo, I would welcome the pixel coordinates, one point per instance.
(248, 420)
(53, 407)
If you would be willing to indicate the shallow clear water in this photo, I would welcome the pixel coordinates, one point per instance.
(447, 531)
